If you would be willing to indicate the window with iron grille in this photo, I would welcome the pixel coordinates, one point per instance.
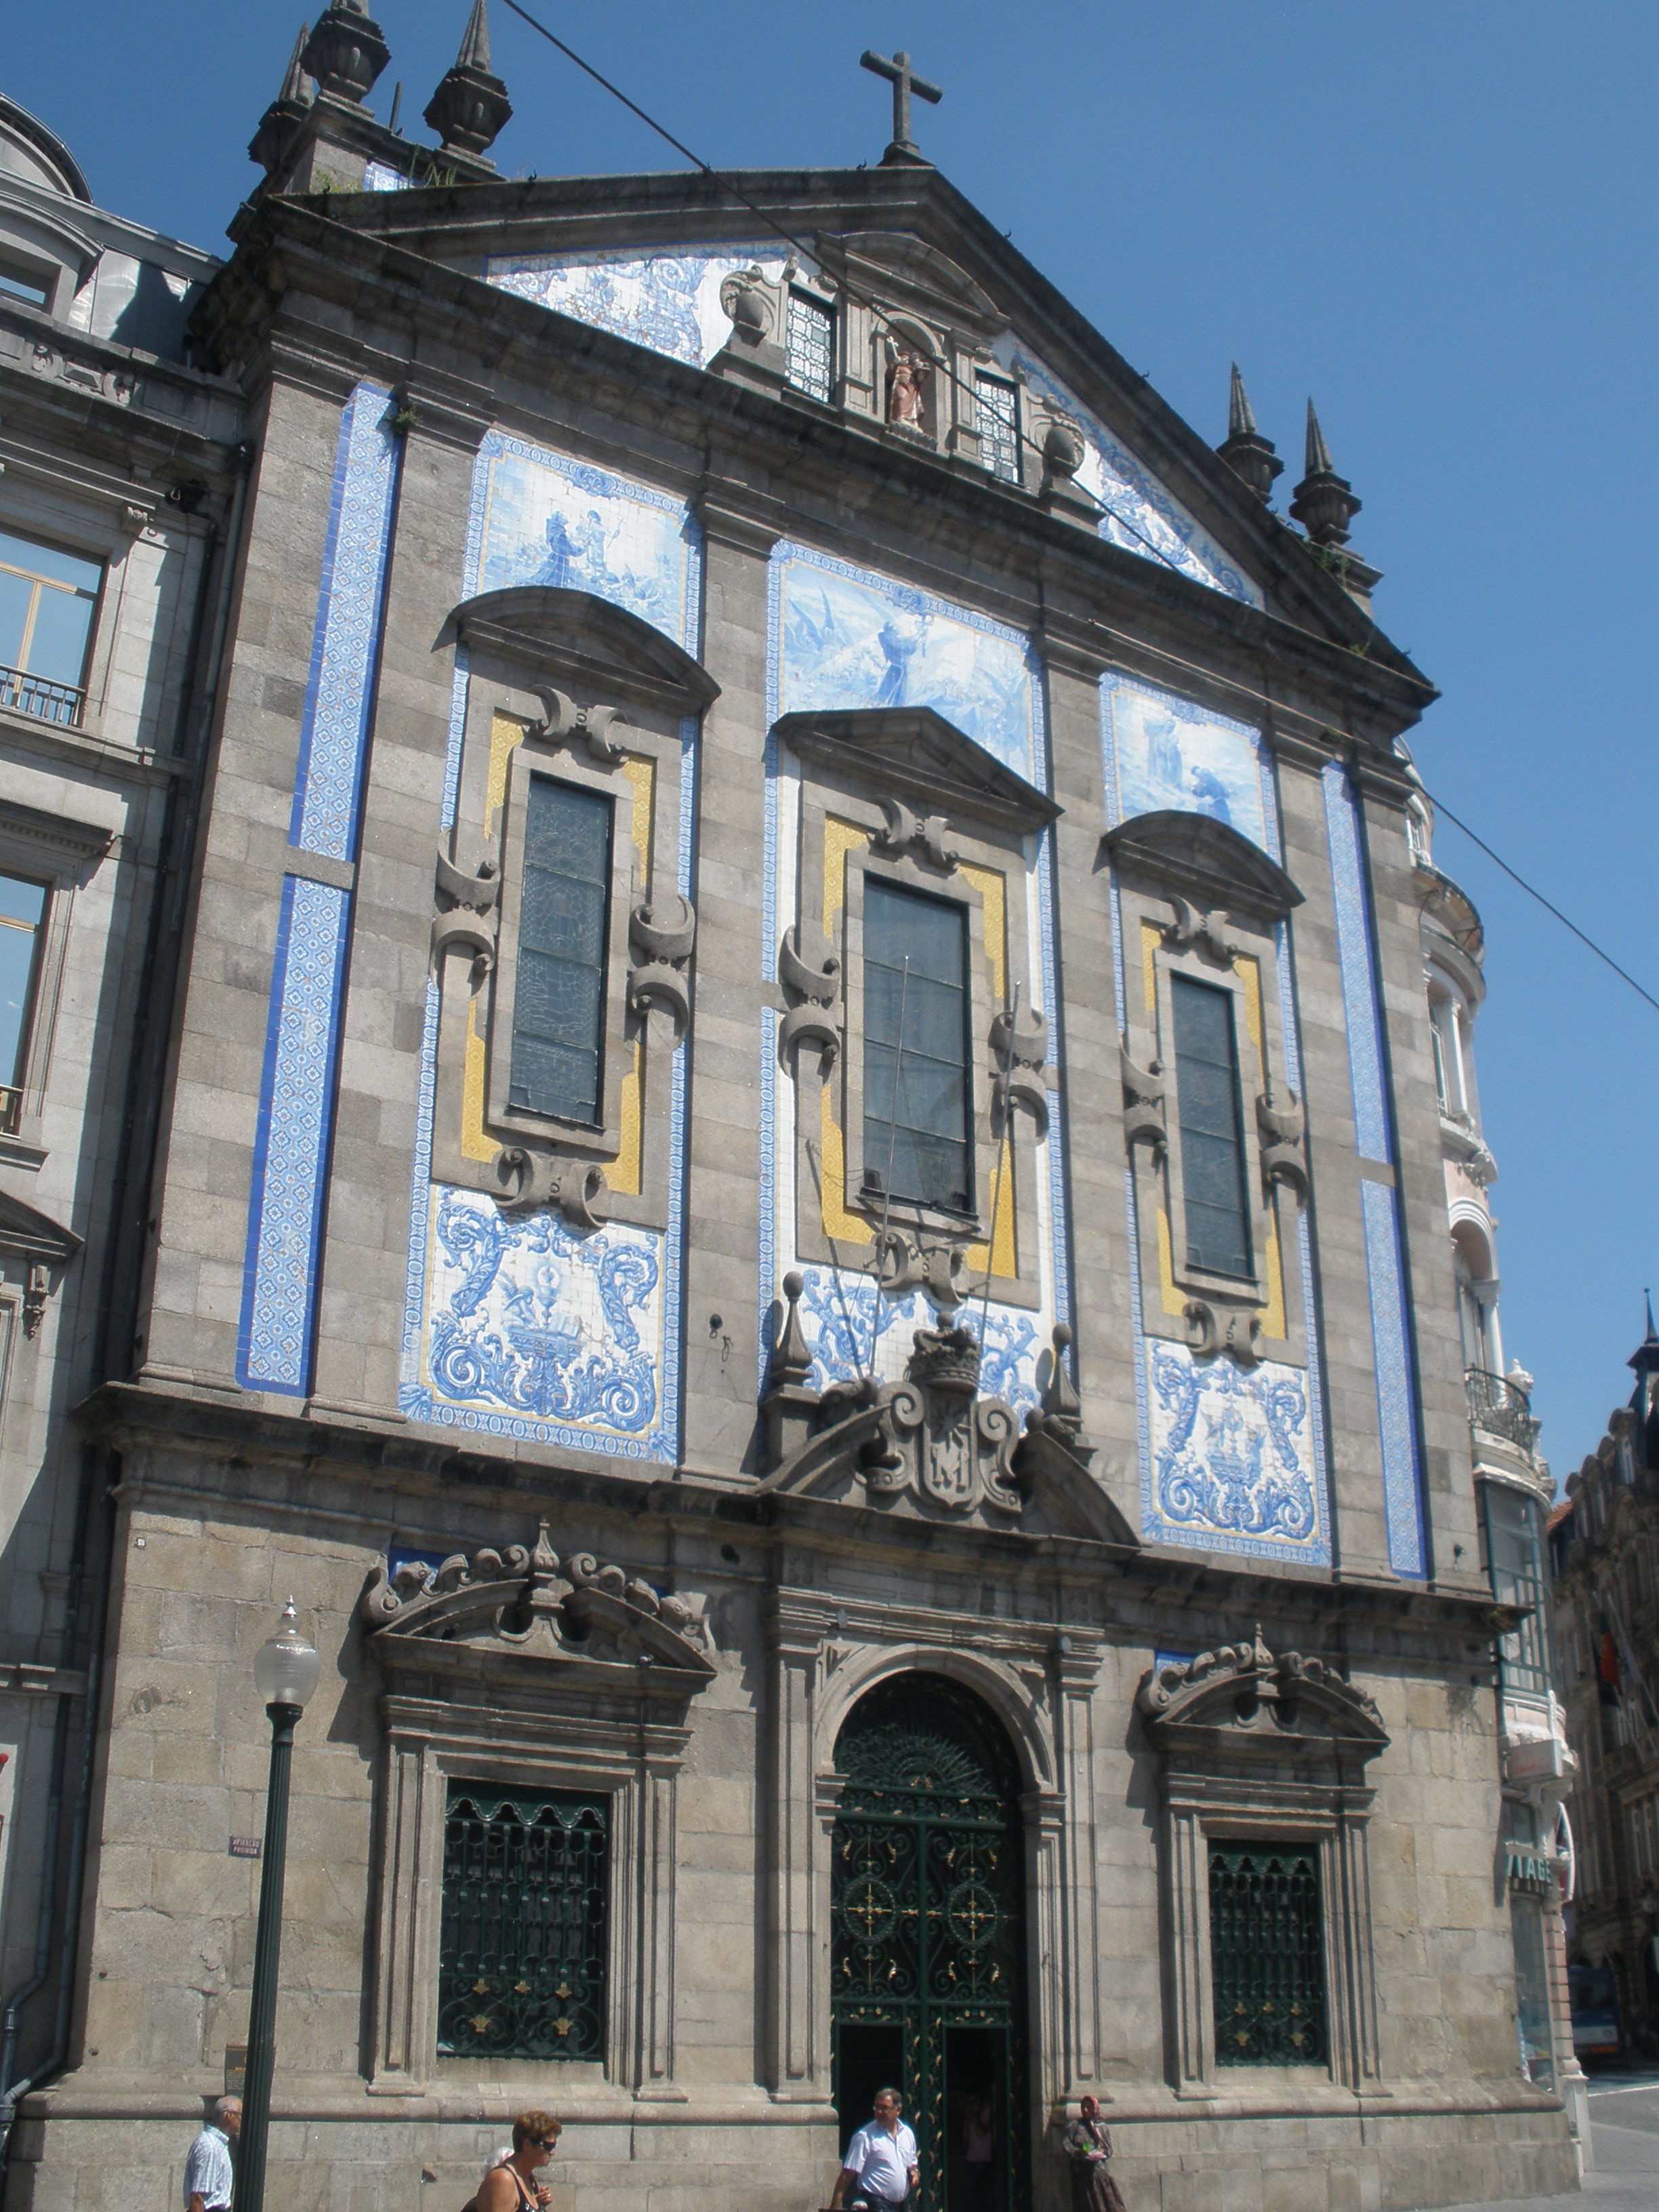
(916, 1047)
(1266, 1955)
(809, 347)
(998, 427)
(526, 1910)
(1216, 1198)
(564, 914)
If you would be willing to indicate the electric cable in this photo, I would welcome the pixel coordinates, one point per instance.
(941, 368)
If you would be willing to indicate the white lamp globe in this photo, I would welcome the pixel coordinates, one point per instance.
(286, 1668)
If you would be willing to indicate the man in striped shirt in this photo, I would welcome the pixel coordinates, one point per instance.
(208, 2172)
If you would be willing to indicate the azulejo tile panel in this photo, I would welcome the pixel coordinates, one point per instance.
(513, 1325)
(533, 1330)
(1166, 753)
(1396, 1412)
(1233, 1453)
(279, 1277)
(1141, 516)
(668, 301)
(846, 637)
(1372, 1133)
(345, 641)
(852, 1330)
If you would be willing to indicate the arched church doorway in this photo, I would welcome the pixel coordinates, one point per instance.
(929, 1971)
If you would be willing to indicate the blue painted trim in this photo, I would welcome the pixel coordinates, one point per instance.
(1373, 1134)
(1402, 1482)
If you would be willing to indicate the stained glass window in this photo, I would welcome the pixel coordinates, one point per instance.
(558, 1009)
(526, 1908)
(809, 351)
(998, 427)
(916, 1098)
(1212, 1163)
(1266, 1955)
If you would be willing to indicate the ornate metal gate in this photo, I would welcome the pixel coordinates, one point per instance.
(929, 1924)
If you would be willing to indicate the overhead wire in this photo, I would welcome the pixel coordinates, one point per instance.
(873, 307)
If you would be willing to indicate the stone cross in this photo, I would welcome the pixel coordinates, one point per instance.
(904, 81)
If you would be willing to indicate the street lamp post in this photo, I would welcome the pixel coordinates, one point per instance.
(285, 1670)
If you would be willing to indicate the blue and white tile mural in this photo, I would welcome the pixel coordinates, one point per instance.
(1141, 516)
(546, 520)
(529, 1323)
(1233, 1453)
(1166, 753)
(844, 637)
(668, 301)
(512, 1324)
(840, 1310)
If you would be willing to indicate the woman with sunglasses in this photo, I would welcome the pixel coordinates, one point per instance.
(512, 2186)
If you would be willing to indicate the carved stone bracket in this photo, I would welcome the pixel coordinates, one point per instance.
(926, 835)
(565, 723)
(1144, 1104)
(468, 921)
(1238, 1334)
(532, 1177)
(817, 1018)
(1020, 1041)
(662, 937)
(1205, 933)
(911, 1259)
(1279, 1119)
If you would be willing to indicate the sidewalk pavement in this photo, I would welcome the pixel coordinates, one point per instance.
(1624, 2138)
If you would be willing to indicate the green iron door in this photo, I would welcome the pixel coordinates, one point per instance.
(929, 1971)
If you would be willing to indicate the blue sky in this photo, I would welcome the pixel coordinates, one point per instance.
(1437, 219)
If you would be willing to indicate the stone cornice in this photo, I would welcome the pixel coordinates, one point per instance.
(312, 1459)
(292, 250)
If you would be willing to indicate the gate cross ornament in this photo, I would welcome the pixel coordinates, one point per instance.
(904, 83)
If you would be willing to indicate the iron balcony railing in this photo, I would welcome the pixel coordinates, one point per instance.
(1502, 1407)
(48, 702)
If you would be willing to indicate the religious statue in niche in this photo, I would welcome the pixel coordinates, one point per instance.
(909, 372)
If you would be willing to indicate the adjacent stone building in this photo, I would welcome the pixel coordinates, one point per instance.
(1604, 1547)
(118, 469)
(802, 1200)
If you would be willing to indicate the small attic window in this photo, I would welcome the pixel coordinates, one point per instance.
(998, 427)
(18, 281)
(810, 347)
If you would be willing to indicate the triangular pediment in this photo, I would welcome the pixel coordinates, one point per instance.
(1204, 859)
(588, 641)
(25, 1233)
(914, 753)
(905, 270)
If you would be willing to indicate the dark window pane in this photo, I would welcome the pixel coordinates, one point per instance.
(810, 347)
(524, 1931)
(1213, 1160)
(558, 1013)
(917, 1102)
(1514, 1560)
(998, 428)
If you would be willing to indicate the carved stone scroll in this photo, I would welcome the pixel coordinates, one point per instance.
(663, 936)
(817, 1018)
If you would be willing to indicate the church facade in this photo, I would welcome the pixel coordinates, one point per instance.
(801, 1203)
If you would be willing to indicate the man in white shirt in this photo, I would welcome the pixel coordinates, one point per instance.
(206, 2167)
(879, 2167)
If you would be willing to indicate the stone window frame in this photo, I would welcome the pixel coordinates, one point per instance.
(1014, 861)
(428, 1744)
(1208, 1282)
(597, 656)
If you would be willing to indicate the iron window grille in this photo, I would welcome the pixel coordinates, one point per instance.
(916, 1101)
(998, 427)
(522, 1946)
(1214, 1184)
(810, 347)
(1268, 1955)
(559, 999)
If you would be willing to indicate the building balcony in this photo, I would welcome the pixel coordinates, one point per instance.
(11, 1109)
(1501, 1406)
(63, 703)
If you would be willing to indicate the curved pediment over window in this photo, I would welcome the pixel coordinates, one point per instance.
(1242, 1700)
(907, 270)
(1205, 860)
(915, 753)
(587, 640)
(521, 1611)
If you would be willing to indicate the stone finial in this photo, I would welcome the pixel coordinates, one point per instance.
(792, 1358)
(1324, 503)
(270, 141)
(470, 109)
(346, 52)
(1246, 452)
(1062, 1409)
